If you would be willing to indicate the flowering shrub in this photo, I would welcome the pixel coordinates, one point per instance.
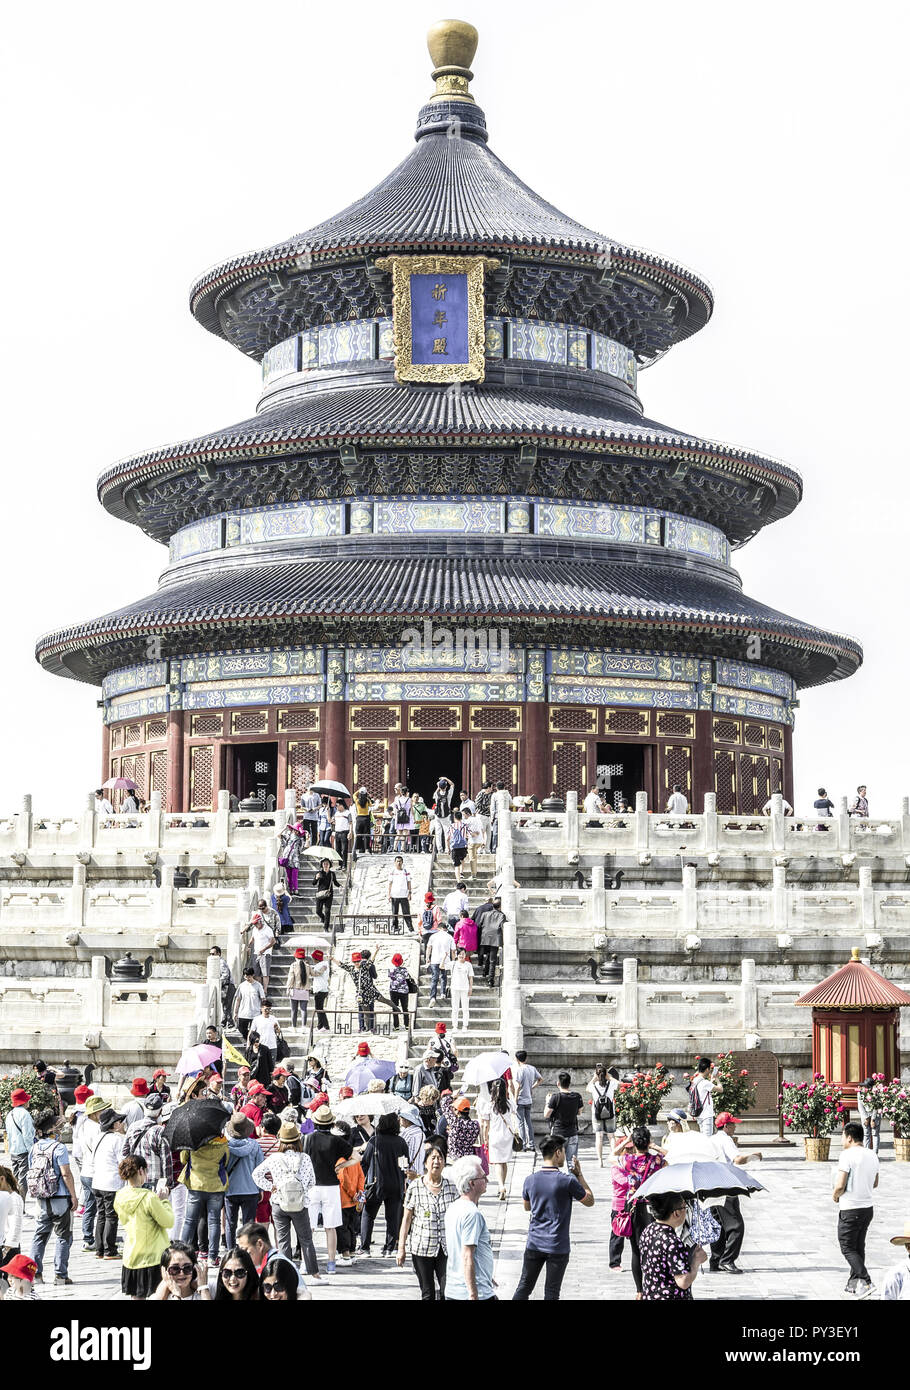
(811, 1107)
(874, 1097)
(43, 1097)
(736, 1092)
(637, 1101)
(897, 1107)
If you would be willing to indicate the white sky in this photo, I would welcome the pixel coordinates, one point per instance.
(765, 148)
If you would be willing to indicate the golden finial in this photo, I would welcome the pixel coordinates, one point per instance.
(452, 44)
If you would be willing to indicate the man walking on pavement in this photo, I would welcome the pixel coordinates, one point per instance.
(20, 1136)
(548, 1195)
(857, 1177)
(440, 955)
(725, 1250)
(250, 996)
(56, 1193)
(701, 1095)
(491, 925)
(526, 1078)
(469, 1271)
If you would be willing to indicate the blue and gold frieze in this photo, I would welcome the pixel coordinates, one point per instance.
(196, 539)
(696, 538)
(435, 689)
(756, 709)
(599, 693)
(518, 340)
(311, 522)
(434, 647)
(205, 696)
(297, 661)
(627, 665)
(746, 676)
(536, 674)
(151, 673)
(624, 524)
(421, 516)
(152, 703)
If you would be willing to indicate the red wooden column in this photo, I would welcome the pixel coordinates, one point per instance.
(703, 760)
(788, 763)
(105, 752)
(335, 747)
(175, 761)
(535, 771)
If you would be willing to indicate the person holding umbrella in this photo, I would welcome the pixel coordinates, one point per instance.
(196, 1131)
(325, 883)
(668, 1267)
(289, 848)
(726, 1248)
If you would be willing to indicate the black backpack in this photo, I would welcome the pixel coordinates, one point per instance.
(603, 1106)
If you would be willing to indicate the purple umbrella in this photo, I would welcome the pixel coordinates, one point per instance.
(369, 1069)
(195, 1059)
(122, 784)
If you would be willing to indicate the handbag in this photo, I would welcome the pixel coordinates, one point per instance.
(412, 986)
(483, 1153)
(282, 1050)
(704, 1228)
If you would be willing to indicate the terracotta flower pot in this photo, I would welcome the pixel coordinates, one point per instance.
(817, 1150)
(901, 1150)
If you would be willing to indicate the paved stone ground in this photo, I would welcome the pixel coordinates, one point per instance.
(790, 1250)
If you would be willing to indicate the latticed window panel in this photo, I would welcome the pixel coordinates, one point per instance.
(155, 730)
(754, 735)
(302, 762)
(133, 768)
(250, 721)
(499, 762)
(726, 731)
(627, 721)
(208, 724)
(495, 716)
(570, 772)
(371, 765)
(677, 768)
(363, 718)
(115, 767)
(202, 777)
(116, 736)
(675, 724)
(436, 718)
(573, 719)
(761, 780)
(775, 738)
(132, 734)
(725, 781)
(302, 721)
(777, 775)
(745, 802)
(159, 774)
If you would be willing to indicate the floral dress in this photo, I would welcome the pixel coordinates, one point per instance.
(462, 1133)
(364, 976)
(663, 1256)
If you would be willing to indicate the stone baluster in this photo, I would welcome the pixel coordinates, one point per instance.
(24, 825)
(780, 900)
(221, 832)
(905, 824)
(77, 897)
(572, 827)
(642, 823)
(710, 822)
(87, 824)
(290, 807)
(504, 837)
(166, 896)
(598, 900)
(629, 1007)
(235, 958)
(154, 822)
(97, 996)
(866, 899)
(843, 826)
(778, 829)
(214, 1011)
(254, 888)
(689, 899)
(749, 996)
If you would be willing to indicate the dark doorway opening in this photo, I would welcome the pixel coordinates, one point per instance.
(620, 771)
(255, 769)
(425, 760)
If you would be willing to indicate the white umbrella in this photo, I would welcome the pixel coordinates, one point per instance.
(374, 1103)
(308, 941)
(320, 852)
(486, 1066)
(701, 1178)
(330, 789)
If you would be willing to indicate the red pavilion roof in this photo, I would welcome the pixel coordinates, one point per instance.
(855, 986)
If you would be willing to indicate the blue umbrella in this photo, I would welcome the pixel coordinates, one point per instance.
(701, 1179)
(367, 1070)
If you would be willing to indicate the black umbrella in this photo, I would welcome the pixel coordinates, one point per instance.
(194, 1122)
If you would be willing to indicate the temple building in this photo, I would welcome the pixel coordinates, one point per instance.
(449, 540)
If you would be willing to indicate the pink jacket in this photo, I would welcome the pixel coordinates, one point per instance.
(466, 935)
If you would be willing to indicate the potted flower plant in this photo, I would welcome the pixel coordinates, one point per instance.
(637, 1101)
(897, 1108)
(815, 1110)
(736, 1092)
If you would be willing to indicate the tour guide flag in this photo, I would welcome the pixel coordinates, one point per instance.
(232, 1055)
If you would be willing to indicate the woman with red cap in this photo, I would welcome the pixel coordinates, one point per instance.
(319, 982)
(363, 972)
(136, 1108)
(20, 1271)
(240, 1093)
(298, 986)
(159, 1083)
(399, 980)
(430, 918)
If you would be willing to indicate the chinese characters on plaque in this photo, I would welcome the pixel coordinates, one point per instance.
(438, 316)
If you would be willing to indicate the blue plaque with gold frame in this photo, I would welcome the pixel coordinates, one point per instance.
(438, 316)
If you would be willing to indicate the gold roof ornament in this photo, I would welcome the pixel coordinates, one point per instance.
(452, 44)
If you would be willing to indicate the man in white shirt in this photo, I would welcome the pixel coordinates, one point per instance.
(442, 949)
(454, 902)
(103, 806)
(263, 941)
(476, 833)
(677, 805)
(592, 803)
(466, 806)
(525, 1078)
(400, 893)
(701, 1096)
(247, 1003)
(267, 1027)
(857, 1178)
(788, 809)
(725, 1250)
(461, 979)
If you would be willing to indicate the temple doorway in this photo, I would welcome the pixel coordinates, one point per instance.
(425, 760)
(620, 771)
(255, 770)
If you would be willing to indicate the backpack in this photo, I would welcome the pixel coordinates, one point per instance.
(43, 1180)
(426, 919)
(288, 1190)
(696, 1100)
(603, 1106)
(459, 840)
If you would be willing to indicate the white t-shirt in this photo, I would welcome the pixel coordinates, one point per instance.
(727, 1151)
(461, 975)
(861, 1167)
(442, 948)
(399, 883)
(263, 938)
(677, 805)
(108, 1153)
(705, 1091)
(249, 996)
(475, 830)
(11, 1212)
(766, 809)
(265, 1027)
(592, 805)
(453, 902)
(342, 818)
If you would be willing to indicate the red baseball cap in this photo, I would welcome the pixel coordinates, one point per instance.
(321, 1099)
(345, 1093)
(257, 1089)
(725, 1118)
(355, 956)
(300, 953)
(160, 1072)
(280, 1071)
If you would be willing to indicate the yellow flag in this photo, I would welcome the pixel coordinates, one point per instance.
(232, 1055)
